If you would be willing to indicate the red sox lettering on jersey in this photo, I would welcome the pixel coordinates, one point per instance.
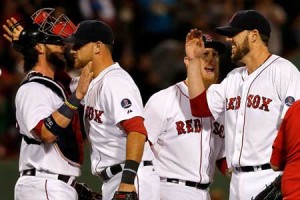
(172, 126)
(93, 114)
(195, 126)
(247, 100)
(253, 101)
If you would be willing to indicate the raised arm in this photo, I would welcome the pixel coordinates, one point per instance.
(194, 48)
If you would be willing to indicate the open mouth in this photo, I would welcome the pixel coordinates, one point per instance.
(209, 69)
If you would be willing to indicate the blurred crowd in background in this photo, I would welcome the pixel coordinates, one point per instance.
(149, 44)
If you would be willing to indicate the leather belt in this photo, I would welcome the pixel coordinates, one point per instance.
(201, 186)
(70, 180)
(109, 172)
(253, 168)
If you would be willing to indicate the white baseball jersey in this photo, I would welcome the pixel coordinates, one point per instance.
(185, 147)
(254, 105)
(35, 102)
(111, 98)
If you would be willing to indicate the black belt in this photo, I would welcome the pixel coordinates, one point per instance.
(115, 169)
(64, 178)
(189, 183)
(253, 168)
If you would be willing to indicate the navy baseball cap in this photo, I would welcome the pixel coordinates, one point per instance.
(245, 20)
(209, 42)
(92, 31)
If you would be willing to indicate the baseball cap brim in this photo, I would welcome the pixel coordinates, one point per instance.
(228, 30)
(220, 47)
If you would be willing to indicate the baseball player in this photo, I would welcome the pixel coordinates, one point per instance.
(51, 149)
(113, 118)
(186, 147)
(252, 97)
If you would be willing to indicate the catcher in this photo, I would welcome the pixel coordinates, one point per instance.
(47, 117)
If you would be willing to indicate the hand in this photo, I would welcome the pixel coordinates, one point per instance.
(229, 172)
(12, 32)
(194, 45)
(84, 81)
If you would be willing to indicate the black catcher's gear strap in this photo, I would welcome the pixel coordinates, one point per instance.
(70, 142)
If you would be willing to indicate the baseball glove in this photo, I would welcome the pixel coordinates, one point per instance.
(272, 191)
(125, 196)
(85, 192)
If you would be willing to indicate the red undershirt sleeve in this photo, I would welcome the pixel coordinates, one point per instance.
(38, 128)
(135, 124)
(199, 106)
(222, 165)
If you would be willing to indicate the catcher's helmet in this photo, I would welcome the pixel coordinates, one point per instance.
(30, 36)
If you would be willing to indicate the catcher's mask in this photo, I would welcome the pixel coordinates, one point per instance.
(43, 28)
(50, 24)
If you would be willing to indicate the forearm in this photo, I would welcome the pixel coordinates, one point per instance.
(195, 82)
(135, 146)
(55, 123)
(134, 152)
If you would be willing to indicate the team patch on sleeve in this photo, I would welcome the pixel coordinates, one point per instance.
(126, 103)
(289, 100)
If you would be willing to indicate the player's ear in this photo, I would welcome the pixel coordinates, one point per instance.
(186, 61)
(98, 46)
(254, 35)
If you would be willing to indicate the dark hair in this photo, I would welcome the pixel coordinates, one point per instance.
(30, 59)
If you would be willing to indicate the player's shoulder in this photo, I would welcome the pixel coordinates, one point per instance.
(236, 71)
(115, 74)
(32, 87)
(282, 64)
(163, 95)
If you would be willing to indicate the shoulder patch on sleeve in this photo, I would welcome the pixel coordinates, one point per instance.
(126, 103)
(289, 100)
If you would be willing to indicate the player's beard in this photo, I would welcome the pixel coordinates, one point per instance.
(241, 51)
(209, 81)
(56, 59)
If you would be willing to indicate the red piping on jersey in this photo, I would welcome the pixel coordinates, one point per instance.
(38, 128)
(46, 189)
(200, 154)
(181, 90)
(199, 106)
(210, 149)
(135, 124)
(246, 104)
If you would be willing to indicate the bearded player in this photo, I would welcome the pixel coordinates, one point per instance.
(253, 97)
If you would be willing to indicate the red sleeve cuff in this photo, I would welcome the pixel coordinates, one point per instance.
(222, 165)
(135, 124)
(199, 106)
(38, 128)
